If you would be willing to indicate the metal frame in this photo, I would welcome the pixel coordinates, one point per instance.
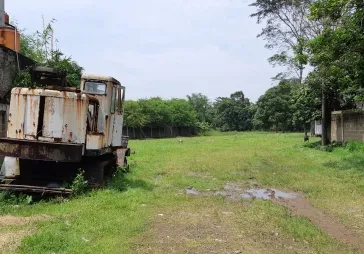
(37, 150)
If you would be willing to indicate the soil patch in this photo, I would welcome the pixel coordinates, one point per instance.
(9, 241)
(298, 206)
(9, 220)
(209, 230)
(301, 207)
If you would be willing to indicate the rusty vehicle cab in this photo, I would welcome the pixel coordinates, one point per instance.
(105, 113)
(55, 130)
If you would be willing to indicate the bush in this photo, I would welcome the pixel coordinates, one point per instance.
(203, 128)
(79, 185)
(9, 198)
(355, 146)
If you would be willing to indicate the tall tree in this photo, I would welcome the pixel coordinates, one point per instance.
(287, 30)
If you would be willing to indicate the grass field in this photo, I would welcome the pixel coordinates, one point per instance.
(148, 211)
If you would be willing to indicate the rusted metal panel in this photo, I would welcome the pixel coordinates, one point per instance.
(31, 115)
(16, 115)
(98, 152)
(10, 167)
(110, 125)
(121, 153)
(117, 130)
(101, 117)
(65, 114)
(47, 139)
(37, 150)
(53, 117)
(95, 141)
(124, 141)
(74, 120)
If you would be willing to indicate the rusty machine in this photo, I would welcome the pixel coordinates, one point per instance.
(55, 130)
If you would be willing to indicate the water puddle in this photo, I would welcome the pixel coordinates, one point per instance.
(191, 191)
(267, 194)
(234, 191)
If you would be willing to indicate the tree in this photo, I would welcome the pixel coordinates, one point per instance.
(234, 113)
(183, 114)
(202, 106)
(39, 47)
(306, 106)
(338, 55)
(287, 30)
(274, 108)
(134, 115)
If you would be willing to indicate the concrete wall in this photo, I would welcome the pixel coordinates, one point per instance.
(347, 125)
(9, 63)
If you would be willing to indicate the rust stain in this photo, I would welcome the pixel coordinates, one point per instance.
(58, 139)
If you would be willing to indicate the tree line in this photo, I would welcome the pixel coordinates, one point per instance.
(281, 108)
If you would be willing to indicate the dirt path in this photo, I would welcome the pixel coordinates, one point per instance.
(216, 231)
(301, 207)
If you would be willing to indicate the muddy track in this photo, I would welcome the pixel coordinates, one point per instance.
(297, 205)
(301, 207)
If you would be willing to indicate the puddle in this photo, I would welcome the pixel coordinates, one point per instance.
(234, 191)
(191, 191)
(267, 194)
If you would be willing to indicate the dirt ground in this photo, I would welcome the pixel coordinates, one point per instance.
(301, 207)
(216, 230)
(207, 231)
(10, 239)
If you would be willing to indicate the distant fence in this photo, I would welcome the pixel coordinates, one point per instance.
(167, 132)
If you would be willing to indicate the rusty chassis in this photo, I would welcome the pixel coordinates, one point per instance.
(38, 150)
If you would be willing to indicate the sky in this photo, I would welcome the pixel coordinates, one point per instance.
(165, 48)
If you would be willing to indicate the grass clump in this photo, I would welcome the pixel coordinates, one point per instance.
(10, 198)
(79, 185)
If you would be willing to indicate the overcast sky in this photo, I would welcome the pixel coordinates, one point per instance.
(166, 48)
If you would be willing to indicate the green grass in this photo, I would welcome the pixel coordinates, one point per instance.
(115, 220)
